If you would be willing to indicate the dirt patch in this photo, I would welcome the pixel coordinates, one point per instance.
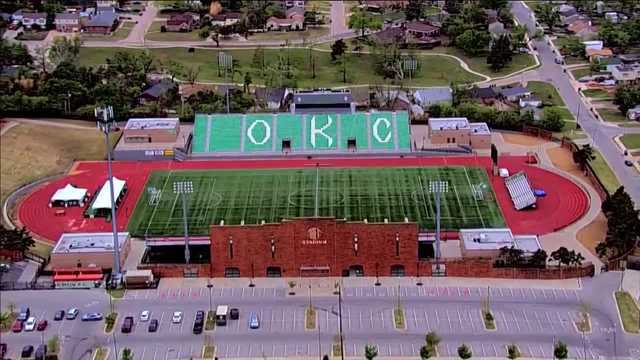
(592, 234)
(524, 140)
(563, 160)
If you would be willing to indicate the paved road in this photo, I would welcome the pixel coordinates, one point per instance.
(338, 18)
(601, 134)
(532, 318)
(144, 21)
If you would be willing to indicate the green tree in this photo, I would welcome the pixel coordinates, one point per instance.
(548, 14)
(614, 35)
(573, 46)
(127, 354)
(173, 68)
(583, 155)
(337, 49)
(518, 36)
(191, 74)
(370, 352)
(53, 345)
(363, 20)
(538, 259)
(246, 81)
(552, 120)
(432, 339)
(561, 255)
(626, 97)
(413, 10)
(464, 352)
(623, 225)
(513, 352)
(16, 240)
(426, 352)
(500, 54)
(258, 60)
(64, 49)
(560, 350)
(472, 42)
(493, 4)
(204, 33)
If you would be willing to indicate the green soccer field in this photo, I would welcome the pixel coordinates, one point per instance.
(253, 196)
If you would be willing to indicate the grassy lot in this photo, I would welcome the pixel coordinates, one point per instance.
(578, 73)
(310, 318)
(564, 113)
(612, 115)
(154, 34)
(596, 93)
(121, 33)
(32, 35)
(310, 34)
(436, 70)
(630, 124)
(546, 92)
(629, 312)
(479, 63)
(604, 173)
(631, 141)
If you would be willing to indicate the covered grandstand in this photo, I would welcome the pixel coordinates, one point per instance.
(251, 134)
(520, 191)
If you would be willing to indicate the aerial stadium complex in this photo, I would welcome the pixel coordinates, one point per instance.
(311, 195)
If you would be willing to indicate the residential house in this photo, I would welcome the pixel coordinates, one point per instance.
(296, 22)
(530, 101)
(615, 17)
(187, 90)
(156, 91)
(294, 11)
(422, 30)
(634, 113)
(67, 22)
(626, 74)
(226, 19)
(496, 29)
(17, 16)
(382, 5)
(180, 22)
(415, 34)
(536, 112)
(485, 94)
(37, 19)
(294, 3)
(612, 62)
(102, 23)
(593, 44)
(271, 98)
(630, 58)
(310, 102)
(426, 97)
(582, 29)
(106, 3)
(105, 9)
(598, 55)
(565, 11)
(514, 94)
(396, 100)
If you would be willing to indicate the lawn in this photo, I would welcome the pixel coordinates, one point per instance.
(581, 72)
(309, 34)
(435, 70)
(569, 130)
(479, 63)
(121, 33)
(612, 115)
(596, 93)
(564, 113)
(546, 92)
(631, 141)
(253, 196)
(604, 173)
(629, 312)
(154, 34)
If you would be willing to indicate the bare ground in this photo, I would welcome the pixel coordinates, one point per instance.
(525, 140)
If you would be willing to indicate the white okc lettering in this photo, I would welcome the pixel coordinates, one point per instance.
(376, 134)
(315, 131)
(267, 132)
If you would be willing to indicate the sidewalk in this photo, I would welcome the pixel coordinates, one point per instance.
(325, 286)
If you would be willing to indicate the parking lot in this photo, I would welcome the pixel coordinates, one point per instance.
(198, 294)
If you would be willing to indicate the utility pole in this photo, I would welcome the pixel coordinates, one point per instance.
(340, 319)
(182, 188)
(106, 121)
(438, 187)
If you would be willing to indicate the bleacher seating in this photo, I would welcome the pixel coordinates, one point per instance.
(520, 191)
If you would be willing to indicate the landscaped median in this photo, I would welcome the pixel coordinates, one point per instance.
(110, 322)
(310, 317)
(398, 318)
(210, 324)
(631, 141)
(628, 311)
(101, 353)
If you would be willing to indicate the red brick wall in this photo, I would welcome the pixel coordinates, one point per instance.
(295, 247)
(175, 270)
(483, 268)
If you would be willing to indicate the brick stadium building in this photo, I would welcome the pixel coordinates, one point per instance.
(314, 247)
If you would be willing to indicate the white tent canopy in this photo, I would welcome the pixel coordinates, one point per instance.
(69, 193)
(103, 199)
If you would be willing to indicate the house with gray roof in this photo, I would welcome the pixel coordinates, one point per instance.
(156, 91)
(102, 23)
(514, 93)
(426, 97)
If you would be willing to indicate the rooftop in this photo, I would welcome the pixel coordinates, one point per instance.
(448, 123)
(514, 91)
(104, 19)
(479, 128)
(322, 98)
(88, 242)
(419, 26)
(486, 239)
(151, 123)
(434, 94)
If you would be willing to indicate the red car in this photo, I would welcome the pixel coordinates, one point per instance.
(42, 325)
(17, 326)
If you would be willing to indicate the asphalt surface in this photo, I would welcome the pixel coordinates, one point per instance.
(532, 318)
(601, 134)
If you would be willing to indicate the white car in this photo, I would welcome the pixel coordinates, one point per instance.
(30, 324)
(144, 315)
(177, 317)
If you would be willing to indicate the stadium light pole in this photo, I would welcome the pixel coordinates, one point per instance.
(106, 122)
(438, 187)
(182, 188)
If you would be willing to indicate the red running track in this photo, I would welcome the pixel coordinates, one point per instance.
(565, 201)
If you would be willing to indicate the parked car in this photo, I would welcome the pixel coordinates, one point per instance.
(27, 351)
(199, 315)
(92, 317)
(3, 350)
(24, 313)
(5, 267)
(254, 322)
(72, 313)
(42, 325)
(628, 162)
(144, 315)
(127, 324)
(198, 322)
(234, 314)
(153, 325)
(59, 315)
(41, 352)
(30, 324)
(177, 317)
(17, 326)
